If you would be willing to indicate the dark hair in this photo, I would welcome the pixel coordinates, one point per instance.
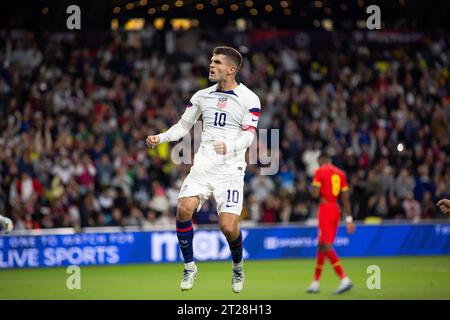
(325, 156)
(234, 55)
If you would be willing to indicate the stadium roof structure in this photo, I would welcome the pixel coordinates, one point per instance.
(328, 14)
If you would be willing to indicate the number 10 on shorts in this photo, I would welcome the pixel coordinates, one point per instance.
(233, 196)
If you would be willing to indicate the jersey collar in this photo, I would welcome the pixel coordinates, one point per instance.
(227, 92)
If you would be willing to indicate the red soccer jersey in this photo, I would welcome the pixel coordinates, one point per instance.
(332, 181)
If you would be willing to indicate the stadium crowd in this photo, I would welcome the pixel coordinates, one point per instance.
(75, 110)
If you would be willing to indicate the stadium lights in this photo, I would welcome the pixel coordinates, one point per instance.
(134, 24)
(180, 23)
(159, 23)
(327, 24)
(234, 7)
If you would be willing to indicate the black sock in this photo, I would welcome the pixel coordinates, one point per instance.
(236, 248)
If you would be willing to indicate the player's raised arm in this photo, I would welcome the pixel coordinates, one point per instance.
(180, 129)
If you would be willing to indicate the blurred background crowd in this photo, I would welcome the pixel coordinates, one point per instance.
(75, 109)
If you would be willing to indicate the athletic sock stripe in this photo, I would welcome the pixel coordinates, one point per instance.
(185, 229)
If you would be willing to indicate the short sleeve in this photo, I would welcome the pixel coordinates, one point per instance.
(252, 113)
(344, 185)
(317, 179)
(192, 111)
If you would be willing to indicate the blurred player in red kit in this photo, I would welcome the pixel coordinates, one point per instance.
(330, 183)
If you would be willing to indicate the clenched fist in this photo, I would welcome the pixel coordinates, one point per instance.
(444, 205)
(152, 141)
(220, 147)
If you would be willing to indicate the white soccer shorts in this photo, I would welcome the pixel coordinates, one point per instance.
(227, 189)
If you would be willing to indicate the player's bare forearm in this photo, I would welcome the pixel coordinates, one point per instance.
(176, 132)
(315, 193)
(351, 228)
(346, 204)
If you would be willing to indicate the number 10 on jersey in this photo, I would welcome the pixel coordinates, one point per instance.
(220, 118)
(233, 196)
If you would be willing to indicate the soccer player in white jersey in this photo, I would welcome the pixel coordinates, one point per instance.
(230, 114)
(6, 223)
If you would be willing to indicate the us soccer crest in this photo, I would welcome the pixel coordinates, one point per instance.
(221, 102)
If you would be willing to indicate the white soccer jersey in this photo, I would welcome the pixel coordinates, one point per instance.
(225, 115)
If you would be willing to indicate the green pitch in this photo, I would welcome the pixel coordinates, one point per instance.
(401, 278)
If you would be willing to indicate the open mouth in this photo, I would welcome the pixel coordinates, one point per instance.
(211, 73)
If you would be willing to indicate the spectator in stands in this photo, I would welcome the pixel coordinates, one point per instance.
(117, 219)
(261, 187)
(72, 125)
(412, 207)
(404, 185)
(396, 210)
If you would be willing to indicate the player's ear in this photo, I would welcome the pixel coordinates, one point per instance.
(233, 69)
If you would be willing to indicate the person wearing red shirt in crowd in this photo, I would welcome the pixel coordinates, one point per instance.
(330, 184)
(27, 185)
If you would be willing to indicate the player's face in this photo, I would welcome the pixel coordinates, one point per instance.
(220, 68)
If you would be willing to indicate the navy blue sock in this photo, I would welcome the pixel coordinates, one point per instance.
(185, 234)
(236, 248)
